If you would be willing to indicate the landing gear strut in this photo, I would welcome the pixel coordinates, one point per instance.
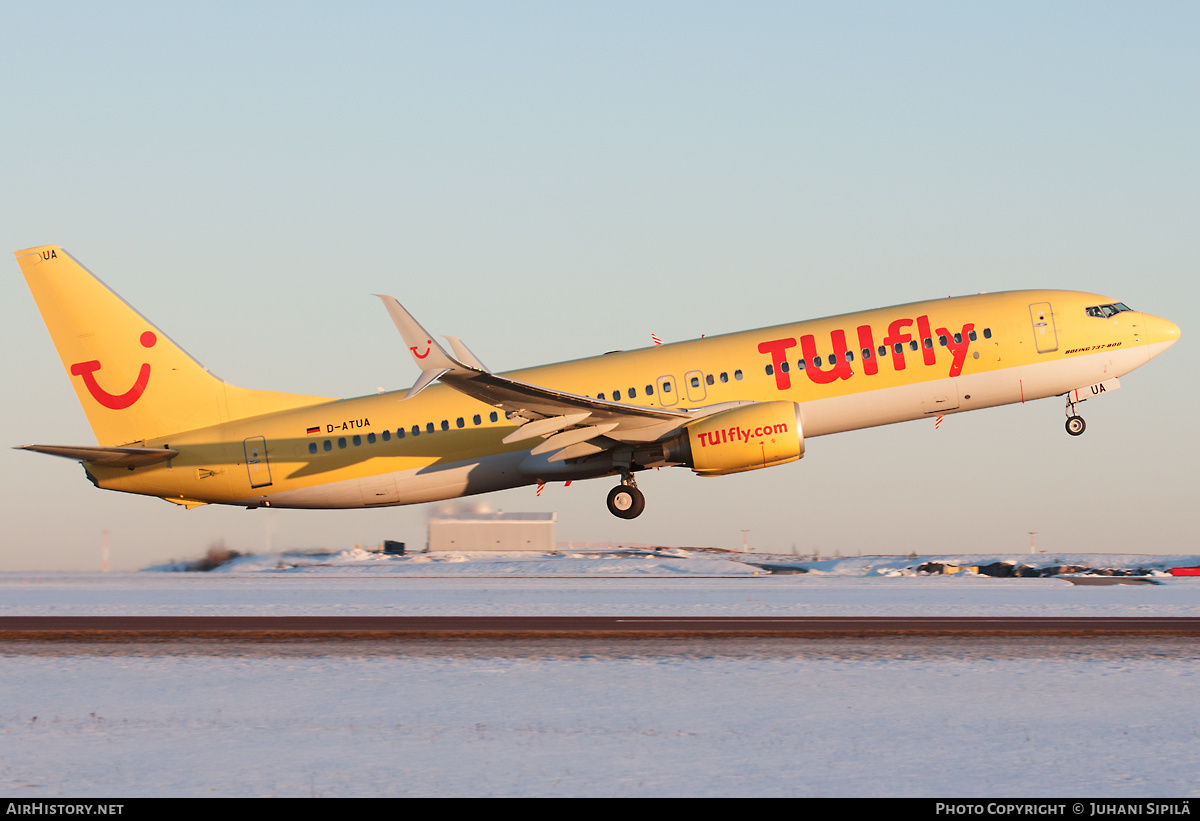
(1075, 424)
(625, 501)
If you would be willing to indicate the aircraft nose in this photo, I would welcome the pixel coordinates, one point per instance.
(1160, 333)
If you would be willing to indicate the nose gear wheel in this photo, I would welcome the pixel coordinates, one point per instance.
(1075, 424)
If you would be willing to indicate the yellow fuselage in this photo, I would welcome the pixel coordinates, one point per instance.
(875, 367)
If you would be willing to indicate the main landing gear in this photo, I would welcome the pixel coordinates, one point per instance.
(1075, 424)
(625, 501)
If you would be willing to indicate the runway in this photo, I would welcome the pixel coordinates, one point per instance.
(179, 683)
(284, 628)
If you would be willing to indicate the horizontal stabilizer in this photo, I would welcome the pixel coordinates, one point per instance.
(113, 457)
(132, 381)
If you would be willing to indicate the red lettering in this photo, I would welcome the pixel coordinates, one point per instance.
(739, 435)
(839, 366)
(777, 348)
(895, 340)
(867, 343)
(958, 349)
(926, 340)
(840, 370)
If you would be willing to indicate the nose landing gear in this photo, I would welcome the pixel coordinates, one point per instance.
(1075, 424)
(625, 501)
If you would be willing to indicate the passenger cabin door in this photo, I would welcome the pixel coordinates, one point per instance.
(694, 383)
(257, 466)
(1044, 334)
(667, 395)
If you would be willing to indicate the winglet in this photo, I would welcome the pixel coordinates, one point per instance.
(464, 354)
(426, 379)
(430, 357)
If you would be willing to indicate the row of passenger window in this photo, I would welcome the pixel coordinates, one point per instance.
(881, 352)
(665, 385)
(632, 393)
(386, 436)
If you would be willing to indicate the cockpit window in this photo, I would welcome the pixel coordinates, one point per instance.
(1107, 310)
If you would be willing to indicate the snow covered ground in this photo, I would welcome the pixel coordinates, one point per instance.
(675, 582)
(945, 717)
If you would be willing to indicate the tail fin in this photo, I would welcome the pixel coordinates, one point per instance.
(134, 383)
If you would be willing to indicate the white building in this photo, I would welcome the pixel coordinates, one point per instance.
(492, 531)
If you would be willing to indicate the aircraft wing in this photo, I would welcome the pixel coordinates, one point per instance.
(113, 457)
(571, 424)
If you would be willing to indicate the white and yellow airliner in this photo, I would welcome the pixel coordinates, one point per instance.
(166, 427)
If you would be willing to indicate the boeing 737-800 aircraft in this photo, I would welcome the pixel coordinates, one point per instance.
(166, 427)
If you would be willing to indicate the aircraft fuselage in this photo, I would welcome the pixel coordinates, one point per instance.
(843, 372)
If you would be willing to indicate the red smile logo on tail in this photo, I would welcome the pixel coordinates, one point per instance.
(87, 370)
(428, 348)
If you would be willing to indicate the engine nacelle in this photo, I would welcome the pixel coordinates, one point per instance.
(747, 438)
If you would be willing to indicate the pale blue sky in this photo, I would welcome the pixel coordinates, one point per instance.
(554, 180)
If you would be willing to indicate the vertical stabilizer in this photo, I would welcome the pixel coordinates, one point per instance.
(134, 383)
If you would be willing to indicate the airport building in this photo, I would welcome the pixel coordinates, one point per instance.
(492, 531)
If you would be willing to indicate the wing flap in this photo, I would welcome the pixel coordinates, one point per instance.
(545, 427)
(576, 451)
(572, 437)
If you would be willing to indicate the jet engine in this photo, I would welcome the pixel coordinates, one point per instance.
(750, 437)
